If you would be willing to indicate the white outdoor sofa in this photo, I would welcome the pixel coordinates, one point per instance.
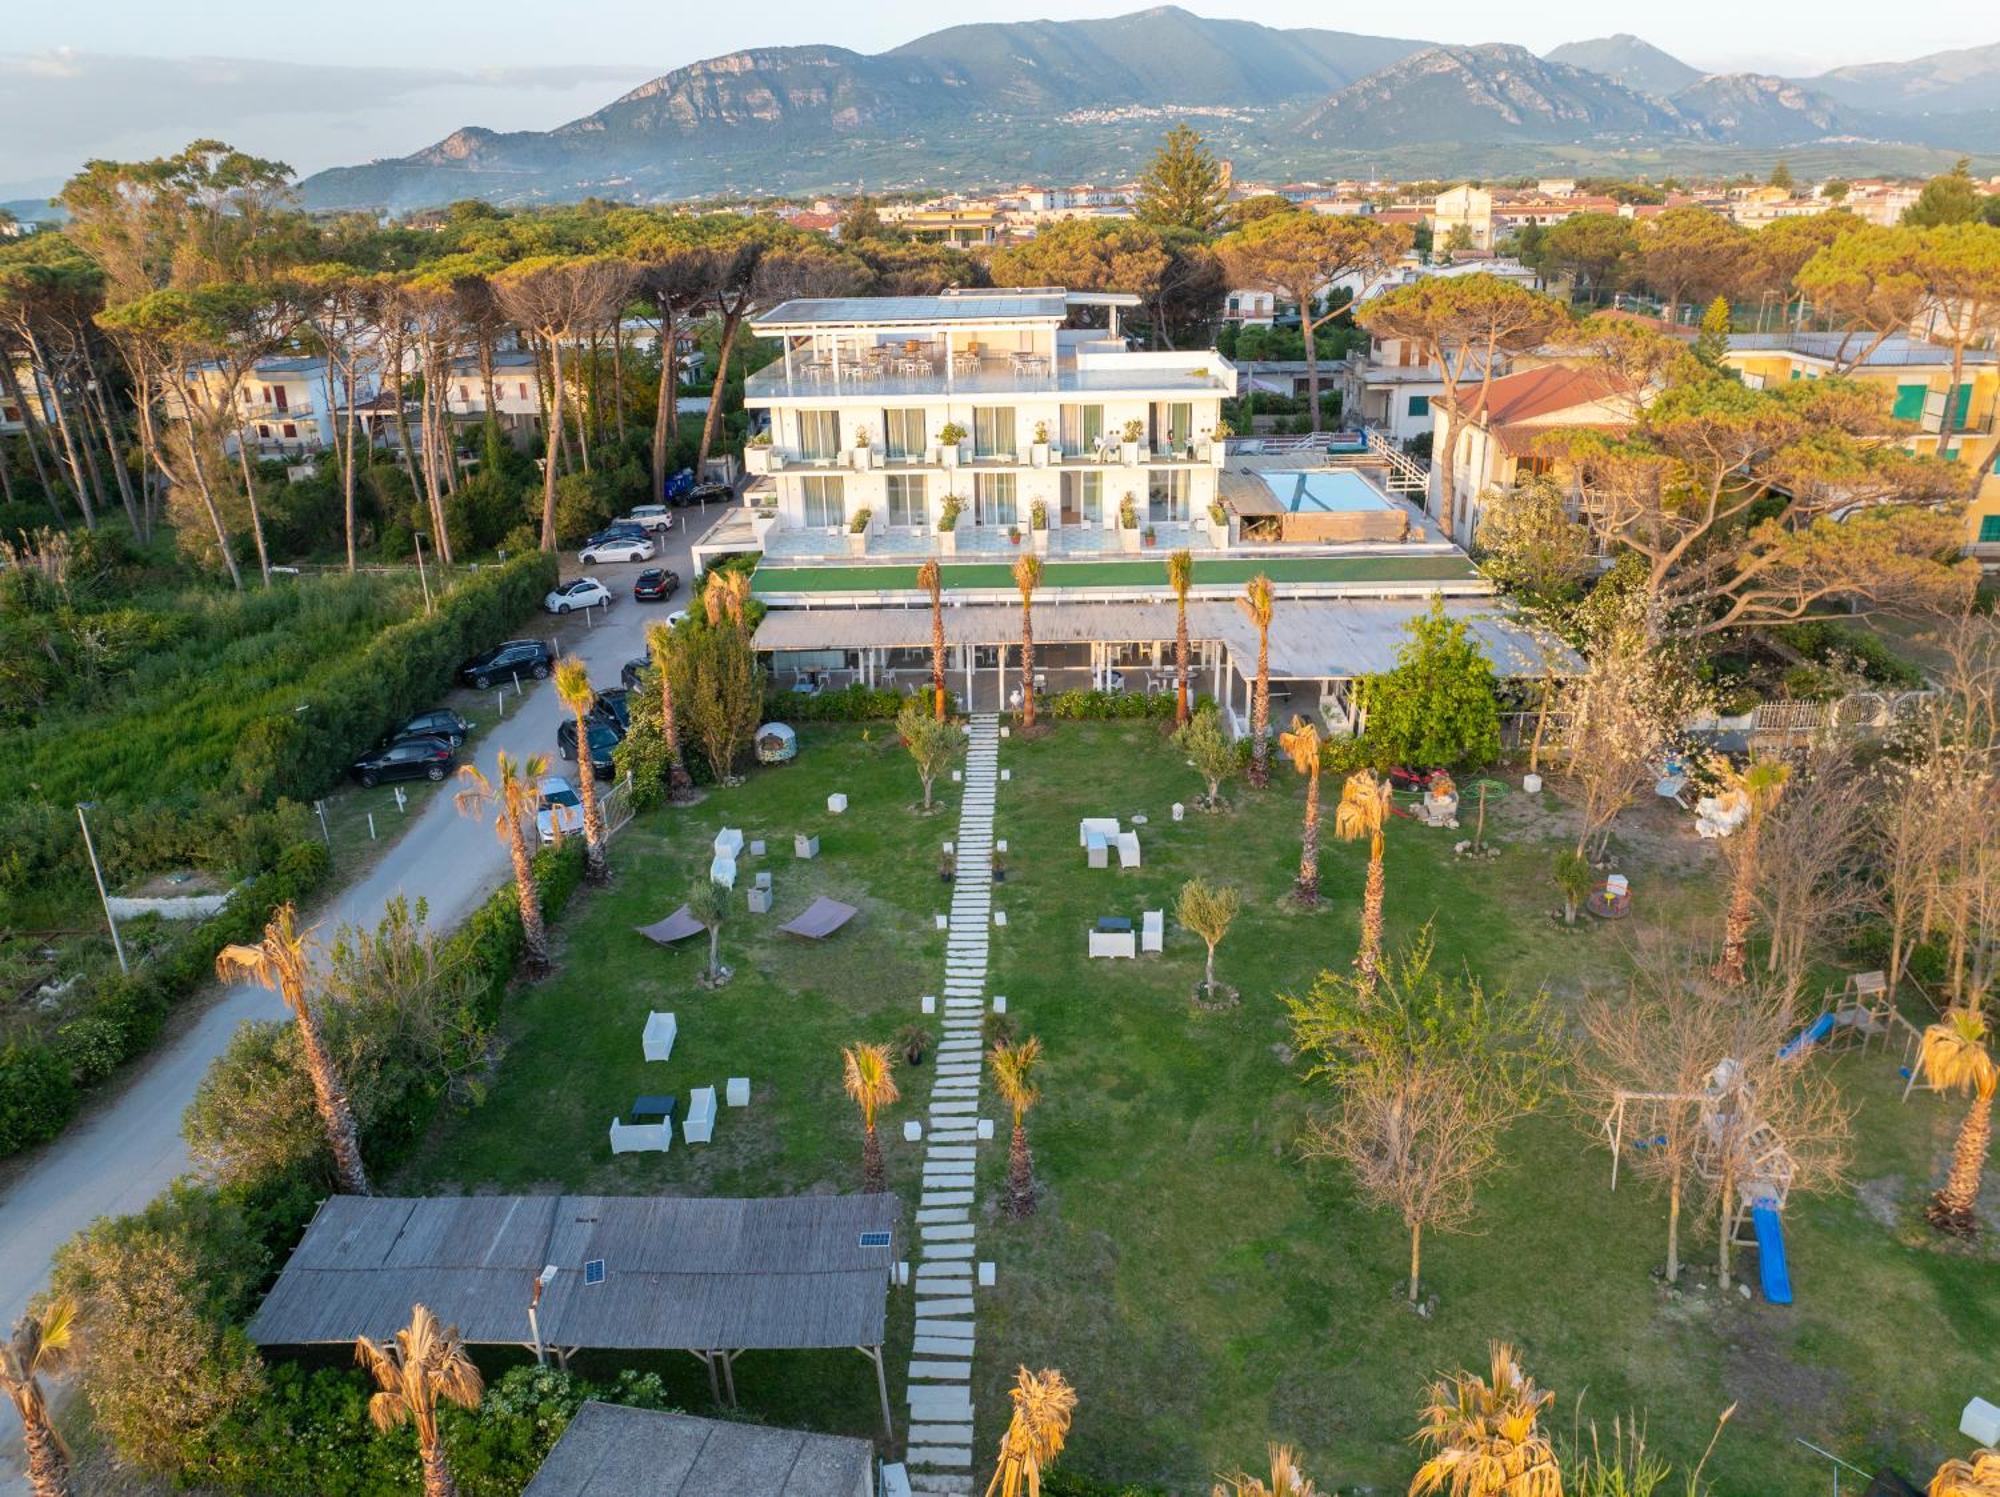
(699, 1125)
(641, 1138)
(1113, 943)
(1153, 931)
(659, 1036)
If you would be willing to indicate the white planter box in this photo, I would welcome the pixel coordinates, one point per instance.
(1038, 454)
(951, 456)
(864, 459)
(857, 543)
(931, 456)
(1128, 538)
(757, 459)
(1531, 783)
(947, 542)
(1128, 454)
(1041, 539)
(761, 526)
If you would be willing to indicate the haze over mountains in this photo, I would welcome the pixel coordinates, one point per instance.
(1003, 102)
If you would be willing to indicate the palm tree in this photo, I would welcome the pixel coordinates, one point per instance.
(726, 594)
(1363, 812)
(279, 963)
(1287, 1480)
(1302, 744)
(515, 795)
(1485, 1435)
(1256, 603)
(1955, 1058)
(44, 1341)
(1978, 1477)
(1762, 783)
(868, 1075)
(931, 579)
(1180, 577)
(1043, 1404)
(425, 1363)
(708, 902)
(660, 645)
(573, 688)
(1027, 577)
(1013, 1074)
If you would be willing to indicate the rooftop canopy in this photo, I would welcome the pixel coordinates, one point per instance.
(1027, 304)
(632, 1272)
(611, 1451)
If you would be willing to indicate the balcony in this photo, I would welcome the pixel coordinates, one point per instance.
(972, 542)
(764, 460)
(1081, 374)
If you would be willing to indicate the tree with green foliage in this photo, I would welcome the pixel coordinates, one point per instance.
(933, 742)
(1208, 910)
(1711, 343)
(1959, 265)
(1299, 254)
(1529, 543)
(1437, 707)
(1781, 175)
(1086, 254)
(1429, 1073)
(868, 1075)
(1781, 250)
(1953, 198)
(719, 691)
(1593, 249)
(1209, 750)
(1835, 189)
(1183, 186)
(1691, 254)
(1866, 281)
(708, 905)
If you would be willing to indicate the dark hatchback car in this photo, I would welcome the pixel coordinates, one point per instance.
(439, 722)
(705, 494)
(613, 707)
(603, 739)
(655, 585)
(618, 530)
(407, 759)
(517, 657)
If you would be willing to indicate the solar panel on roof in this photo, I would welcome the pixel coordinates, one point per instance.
(874, 1239)
(593, 1271)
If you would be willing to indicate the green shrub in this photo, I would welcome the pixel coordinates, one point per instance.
(36, 1094)
(1083, 705)
(850, 704)
(1437, 707)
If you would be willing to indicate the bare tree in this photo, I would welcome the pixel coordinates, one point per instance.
(1810, 885)
(1618, 713)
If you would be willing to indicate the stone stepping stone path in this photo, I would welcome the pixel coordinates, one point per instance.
(939, 1449)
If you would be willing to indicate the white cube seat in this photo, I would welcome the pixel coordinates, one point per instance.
(1154, 931)
(737, 1091)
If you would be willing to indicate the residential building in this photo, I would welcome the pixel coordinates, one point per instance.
(1390, 386)
(286, 405)
(1489, 442)
(517, 390)
(1250, 307)
(857, 488)
(1915, 379)
(1464, 208)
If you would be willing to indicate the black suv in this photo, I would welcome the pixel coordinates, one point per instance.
(708, 493)
(604, 737)
(611, 707)
(517, 657)
(656, 585)
(439, 722)
(406, 759)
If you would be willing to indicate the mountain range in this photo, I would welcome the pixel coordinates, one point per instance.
(1088, 99)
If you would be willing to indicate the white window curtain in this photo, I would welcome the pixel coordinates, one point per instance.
(825, 501)
(904, 439)
(993, 431)
(819, 435)
(1082, 428)
(1167, 495)
(906, 500)
(1082, 497)
(993, 499)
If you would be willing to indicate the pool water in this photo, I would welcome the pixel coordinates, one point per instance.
(1323, 491)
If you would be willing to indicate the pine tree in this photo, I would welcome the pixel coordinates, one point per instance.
(1184, 187)
(1781, 175)
(1712, 342)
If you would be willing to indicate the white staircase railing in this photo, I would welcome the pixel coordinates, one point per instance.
(1406, 474)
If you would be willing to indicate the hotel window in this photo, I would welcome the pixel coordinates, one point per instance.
(1420, 405)
(825, 502)
(906, 500)
(1167, 494)
(1082, 497)
(819, 436)
(291, 430)
(1082, 428)
(993, 499)
(1173, 425)
(993, 431)
(904, 439)
(524, 389)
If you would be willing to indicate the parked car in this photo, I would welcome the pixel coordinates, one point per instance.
(611, 707)
(616, 548)
(517, 657)
(628, 673)
(439, 722)
(406, 759)
(561, 812)
(650, 517)
(585, 592)
(603, 739)
(656, 585)
(710, 493)
(615, 530)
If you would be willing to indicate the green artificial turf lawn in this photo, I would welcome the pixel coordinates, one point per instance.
(1204, 1289)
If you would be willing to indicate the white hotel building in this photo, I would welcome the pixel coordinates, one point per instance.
(1068, 426)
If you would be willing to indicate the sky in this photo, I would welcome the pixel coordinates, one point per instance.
(324, 86)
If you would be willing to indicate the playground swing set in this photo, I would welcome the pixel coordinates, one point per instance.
(1732, 1141)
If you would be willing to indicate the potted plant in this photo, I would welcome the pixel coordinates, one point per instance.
(1013, 535)
(947, 867)
(1152, 536)
(947, 525)
(759, 456)
(1038, 453)
(951, 438)
(857, 531)
(1218, 524)
(915, 1043)
(999, 866)
(1128, 524)
(864, 455)
(1128, 446)
(1038, 525)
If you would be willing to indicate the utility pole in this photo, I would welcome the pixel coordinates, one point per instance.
(98, 874)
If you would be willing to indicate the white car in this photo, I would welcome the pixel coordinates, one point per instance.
(654, 517)
(618, 548)
(561, 814)
(585, 592)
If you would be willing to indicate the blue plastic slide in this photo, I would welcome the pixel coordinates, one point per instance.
(1771, 1252)
(1806, 1038)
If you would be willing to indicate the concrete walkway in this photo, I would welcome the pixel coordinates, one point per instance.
(939, 1450)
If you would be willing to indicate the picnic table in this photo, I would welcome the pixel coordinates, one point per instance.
(651, 1105)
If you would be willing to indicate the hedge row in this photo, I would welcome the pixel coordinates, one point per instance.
(850, 704)
(1100, 706)
(42, 1081)
(400, 672)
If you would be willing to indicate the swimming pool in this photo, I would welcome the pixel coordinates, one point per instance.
(1323, 491)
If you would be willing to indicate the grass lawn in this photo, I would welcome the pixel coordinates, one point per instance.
(1204, 1289)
